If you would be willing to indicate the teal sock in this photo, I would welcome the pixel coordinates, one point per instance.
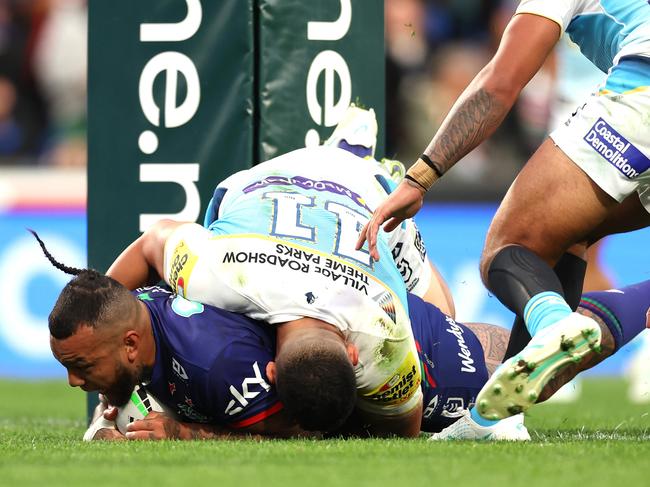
(480, 420)
(543, 310)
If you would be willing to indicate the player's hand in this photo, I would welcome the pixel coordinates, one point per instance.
(402, 203)
(155, 426)
(106, 410)
(110, 413)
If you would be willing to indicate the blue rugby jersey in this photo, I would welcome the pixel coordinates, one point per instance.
(210, 364)
(452, 362)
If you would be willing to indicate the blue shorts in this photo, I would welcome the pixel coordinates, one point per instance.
(452, 361)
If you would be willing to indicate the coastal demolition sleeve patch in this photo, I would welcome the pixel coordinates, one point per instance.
(617, 150)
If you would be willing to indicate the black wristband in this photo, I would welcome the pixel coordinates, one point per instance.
(431, 164)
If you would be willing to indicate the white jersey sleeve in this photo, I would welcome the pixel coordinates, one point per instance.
(559, 11)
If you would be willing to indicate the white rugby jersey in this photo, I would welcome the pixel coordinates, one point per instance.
(282, 248)
(605, 30)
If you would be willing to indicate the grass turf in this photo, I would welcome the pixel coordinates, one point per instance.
(599, 440)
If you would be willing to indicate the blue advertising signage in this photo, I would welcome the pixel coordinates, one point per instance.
(30, 285)
(454, 236)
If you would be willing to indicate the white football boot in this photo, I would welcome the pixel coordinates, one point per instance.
(638, 372)
(509, 429)
(357, 129)
(517, 383)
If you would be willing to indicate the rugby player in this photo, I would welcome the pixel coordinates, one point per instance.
(589, 179)
(215, 368)
(279, 248)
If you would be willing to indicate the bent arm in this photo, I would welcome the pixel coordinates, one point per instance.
(158, 426)
(494, 340)
(438, 292)
(141, 263)
(526, 43)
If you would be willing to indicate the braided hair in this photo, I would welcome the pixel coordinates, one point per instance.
(89, 299)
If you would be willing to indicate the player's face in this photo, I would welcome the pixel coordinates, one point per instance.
(94, 363)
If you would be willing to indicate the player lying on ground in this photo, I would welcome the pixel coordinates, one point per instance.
(287, 184)
(279, 248)
(215, 368)
(590, 178)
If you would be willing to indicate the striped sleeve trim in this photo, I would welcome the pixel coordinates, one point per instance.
(278, 406)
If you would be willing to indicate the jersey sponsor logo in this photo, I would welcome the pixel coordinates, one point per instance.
(617, 150)
(311, 297)
(183, 263)
(453, 408)
(307, 183)
(179, 370)
(297, 260)
(401, 386)
(431, 407)
(186, 308)
(465, 355)
(240, 399)
(387, 303)
(193, 415)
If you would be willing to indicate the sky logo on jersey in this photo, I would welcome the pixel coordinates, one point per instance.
(617, 150)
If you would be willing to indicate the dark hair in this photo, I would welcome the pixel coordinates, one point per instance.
(317, 385)
(90, 298)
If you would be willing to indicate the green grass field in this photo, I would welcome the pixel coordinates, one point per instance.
(600, 440)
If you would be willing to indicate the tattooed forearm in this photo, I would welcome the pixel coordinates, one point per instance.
(474, 117)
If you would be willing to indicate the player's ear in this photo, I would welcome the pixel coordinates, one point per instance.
(131, 340)
(270, 372)
(353, 353)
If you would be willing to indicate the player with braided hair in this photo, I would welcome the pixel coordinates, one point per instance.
(168, 342)
(111, 339)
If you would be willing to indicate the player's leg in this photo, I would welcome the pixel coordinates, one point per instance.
(491, 346)
(455, 361)
(570, 188)
(633, 213)
(627, 216)
(533, 229)
(620, 315)
(570, 270)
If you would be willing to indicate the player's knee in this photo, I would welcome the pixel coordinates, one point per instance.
(487, 257)
(317, 385)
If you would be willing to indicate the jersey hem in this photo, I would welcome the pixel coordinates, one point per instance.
(278, 406)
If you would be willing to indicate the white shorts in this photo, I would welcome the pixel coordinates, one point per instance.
(609, 138)
(410, 257)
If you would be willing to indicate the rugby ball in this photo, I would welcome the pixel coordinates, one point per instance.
(142, 402)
